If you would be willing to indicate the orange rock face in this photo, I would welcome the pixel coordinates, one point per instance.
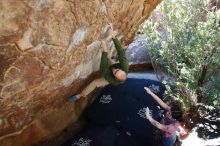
(48, 48)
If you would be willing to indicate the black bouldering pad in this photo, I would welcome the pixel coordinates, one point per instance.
(117, 115)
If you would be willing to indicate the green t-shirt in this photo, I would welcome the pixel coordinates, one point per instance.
(106, 68)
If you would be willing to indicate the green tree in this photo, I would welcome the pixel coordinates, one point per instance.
(184, 42)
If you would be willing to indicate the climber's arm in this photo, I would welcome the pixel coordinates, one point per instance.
(104, 68)
(121, 55)
(157, 99)
(120, 50)
(106, 71)
(104, 63)
(154, 122)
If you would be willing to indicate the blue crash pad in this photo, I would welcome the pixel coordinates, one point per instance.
(117, 115)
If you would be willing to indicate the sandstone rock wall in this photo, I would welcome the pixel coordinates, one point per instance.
(48, 48)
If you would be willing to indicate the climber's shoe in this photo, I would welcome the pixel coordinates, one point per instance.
(73, 98)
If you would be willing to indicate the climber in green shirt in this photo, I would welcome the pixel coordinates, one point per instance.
(114, 73)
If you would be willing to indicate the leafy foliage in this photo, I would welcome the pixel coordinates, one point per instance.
(186, 45)
(184, 42)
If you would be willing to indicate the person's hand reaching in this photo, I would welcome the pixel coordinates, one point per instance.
(147, 113)
(148, 90)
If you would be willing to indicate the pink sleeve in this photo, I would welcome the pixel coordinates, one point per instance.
(168, 108)
(172, 128)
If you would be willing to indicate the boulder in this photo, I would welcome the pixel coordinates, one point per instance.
(49, 50)
(138, 54)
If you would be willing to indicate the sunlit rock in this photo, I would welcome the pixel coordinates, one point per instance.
(48, 51)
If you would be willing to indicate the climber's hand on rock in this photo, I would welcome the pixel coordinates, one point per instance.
(104, 46)
(111, 30)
